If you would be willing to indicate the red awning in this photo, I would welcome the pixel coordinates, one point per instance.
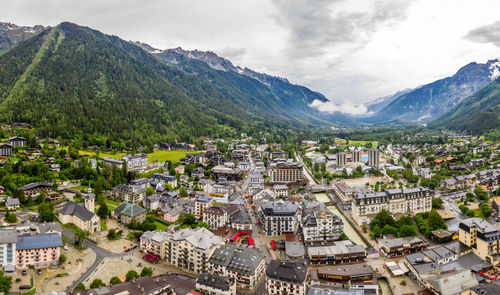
(250, 241)
(151, 258)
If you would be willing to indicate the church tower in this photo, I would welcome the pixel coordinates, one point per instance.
(90, 200)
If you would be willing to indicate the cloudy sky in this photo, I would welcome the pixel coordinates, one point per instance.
(351, 51)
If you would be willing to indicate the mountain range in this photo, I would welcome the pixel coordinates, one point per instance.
(427, 102)
(11, 35)
(72, 81)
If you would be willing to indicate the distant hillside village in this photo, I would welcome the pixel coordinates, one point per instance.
(243, 215)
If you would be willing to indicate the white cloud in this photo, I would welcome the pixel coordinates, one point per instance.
(331, 107)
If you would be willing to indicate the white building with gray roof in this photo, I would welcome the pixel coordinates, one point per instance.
(243, 263)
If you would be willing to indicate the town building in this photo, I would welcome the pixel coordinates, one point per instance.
(166, 284)
(279, 155)
(245, 264)
(81, 214)
(196, 158)
(152, 202)
(286, 172)
(356, 156)
(401, 246)
(279, 217)
(322, 226)
(352, 277)
(395, 201)
(49, 228)
(198, 172)
(240, 218)
(189, 249)
(340, 252)
(212, 284)
(18, 141)
(286, 277)
(135, 161)
(419, 160)
(164, 179)
(35, 188)
(373, 158)
(281, 190)
(202, 203)
(449, 269)
(38, 250)
(341, 159)
(482, 237)
(125, 212)
(223, 172)
(12, 203)
(128, 193)
(8, 241)
(343, 191)
(455, 183)
(215, 217)
(5, 149)
(142, 182)
(112, 162)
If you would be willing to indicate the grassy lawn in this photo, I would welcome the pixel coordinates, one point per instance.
(79, 187)
(363, 142)
(160, 156)
(104, 227)
(477, 213)
(117, 155)
(160, 225)
(112, 202)
(70, 226)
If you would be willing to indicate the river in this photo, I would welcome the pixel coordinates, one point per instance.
(348, 229)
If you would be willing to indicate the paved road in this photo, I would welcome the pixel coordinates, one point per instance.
(255, 227)
(100, 255)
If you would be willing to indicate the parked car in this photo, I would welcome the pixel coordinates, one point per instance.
(128, 249)
(133, 247)
(24, 287)
(24, 272)
(39, 272)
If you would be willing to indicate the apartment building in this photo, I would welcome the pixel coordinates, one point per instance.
(187, 248)
(129, 193)
(347, 277)
(154, 242)
(38, 250)
(402, 201)
(212, 284)
(286, 277)
(356, 156)
(373, 157)
(135, 161)
(5, 149)
(245, 264)
(286, 172)
(201, 204)
(340, 252)
(482, 237)
(341, 159)
(215, 217)
(279, 217)
(322, 226)
(8, 240)
(401, 246)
